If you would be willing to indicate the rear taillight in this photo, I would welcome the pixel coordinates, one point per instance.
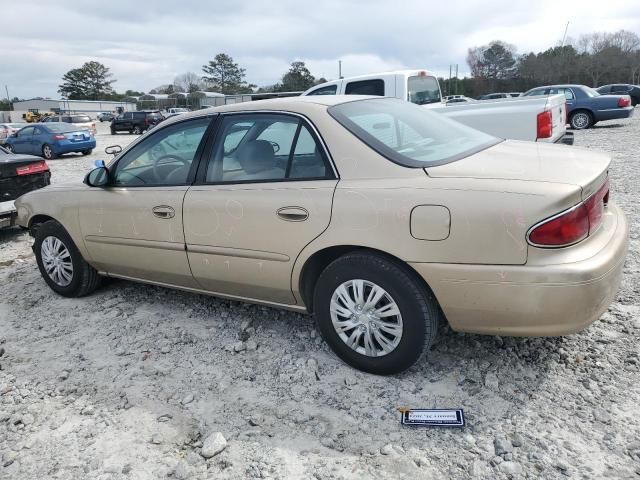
(624, 101)
(59, 137)
(545, 124)
(32, 168)
(572, 225)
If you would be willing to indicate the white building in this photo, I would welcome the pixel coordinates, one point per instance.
(89, 107)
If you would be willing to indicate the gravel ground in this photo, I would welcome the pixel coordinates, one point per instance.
(139, 382)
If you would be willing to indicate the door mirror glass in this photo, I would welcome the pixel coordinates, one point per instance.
(99, 163)
(113, 149)
(98, 177)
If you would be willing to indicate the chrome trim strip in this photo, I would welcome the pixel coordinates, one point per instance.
(134, 242)
(237, 252)
(295, 308)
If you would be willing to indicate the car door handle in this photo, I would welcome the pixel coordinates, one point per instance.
(293, 214)
(163, 211)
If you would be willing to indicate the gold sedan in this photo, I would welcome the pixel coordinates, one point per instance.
(376, 215)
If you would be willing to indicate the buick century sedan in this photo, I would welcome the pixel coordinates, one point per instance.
(378, 216)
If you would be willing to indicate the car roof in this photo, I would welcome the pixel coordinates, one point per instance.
(287, 104)
(560, 85)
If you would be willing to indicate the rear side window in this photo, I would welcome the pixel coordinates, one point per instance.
(329, 90)
(80, 119)
(423, 89)
(366, 87)
(619, 88)
(407, 134)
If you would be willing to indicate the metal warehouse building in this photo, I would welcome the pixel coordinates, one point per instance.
(90, 107)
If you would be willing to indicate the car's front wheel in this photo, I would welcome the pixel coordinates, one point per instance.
(47, 152)
(113, 131)
(60, 262)
(374, 313)
(581, 119)
(137, 130)
(87, 152)
(8, 147)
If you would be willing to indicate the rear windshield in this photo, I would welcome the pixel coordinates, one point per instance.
(81, 119)
(61, 128)
(409, 135)
(423, 89)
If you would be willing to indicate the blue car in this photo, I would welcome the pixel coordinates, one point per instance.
(585, 106)
(50, 140)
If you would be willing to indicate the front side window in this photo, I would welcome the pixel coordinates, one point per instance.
(164, 158)
(407, 134)
(265, 148)
(80, 119)
(25, 132)
(365, 87)
(328, 90)
(423, 89)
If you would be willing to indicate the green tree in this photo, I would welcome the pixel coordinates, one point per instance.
(92, 81)
(225, 76)
(298, 78)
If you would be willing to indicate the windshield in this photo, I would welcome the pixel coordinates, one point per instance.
(423, 89)
(407, 134)
(62, 128)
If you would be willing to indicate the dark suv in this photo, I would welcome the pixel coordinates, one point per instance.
(136, 122)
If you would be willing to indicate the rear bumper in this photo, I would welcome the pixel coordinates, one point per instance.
(67, 146)
(8, 214)
(566, 139)
(613, 113)
(533, 300)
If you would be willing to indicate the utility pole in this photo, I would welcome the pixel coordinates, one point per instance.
(340, 69)
(449, 83)
(8, 98)
(455, 90)
(564, 37)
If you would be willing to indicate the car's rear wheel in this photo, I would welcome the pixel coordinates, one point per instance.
(137, 130)
(87, 152)
(60, 262)
(374, 313)
(581, 119)
(47, 152)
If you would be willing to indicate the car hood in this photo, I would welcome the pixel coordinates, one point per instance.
(531, 161)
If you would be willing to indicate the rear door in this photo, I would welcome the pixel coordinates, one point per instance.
(266, 192)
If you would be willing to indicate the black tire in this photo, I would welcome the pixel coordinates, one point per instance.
(113, 131)
(581, 120)
(137, 130)
(47, 152)
(85, 278)
(87, 152)
(418, 307)
(8, 147)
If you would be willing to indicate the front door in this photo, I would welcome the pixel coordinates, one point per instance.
(22, 142)
(133, 227)
(266, 193)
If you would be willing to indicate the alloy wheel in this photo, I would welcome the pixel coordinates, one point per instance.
(366, 318)
(47, 152)
(57, 261)
(580, 120)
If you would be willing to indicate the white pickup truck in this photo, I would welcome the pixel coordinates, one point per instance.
(541, 119)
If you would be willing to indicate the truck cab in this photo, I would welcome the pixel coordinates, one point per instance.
(416, 86)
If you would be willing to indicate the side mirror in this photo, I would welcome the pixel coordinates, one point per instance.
(113, 149)
(98, 177)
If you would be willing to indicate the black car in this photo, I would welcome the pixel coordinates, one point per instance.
(622, 89)
(136, 122)
(19, 174)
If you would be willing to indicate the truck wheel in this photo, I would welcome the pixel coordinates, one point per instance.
(374, 314)
(113, 132)
(580, 120)
(60, 262)
(137, 130)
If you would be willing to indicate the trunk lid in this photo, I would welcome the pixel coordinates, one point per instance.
(534, 162)
(13, 185)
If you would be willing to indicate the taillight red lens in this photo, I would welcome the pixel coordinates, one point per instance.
(32, 168)
(573, 225)
(624, 101)
(545, 124)
(59, 137)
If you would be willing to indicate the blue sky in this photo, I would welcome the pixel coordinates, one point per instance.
(147, 44)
